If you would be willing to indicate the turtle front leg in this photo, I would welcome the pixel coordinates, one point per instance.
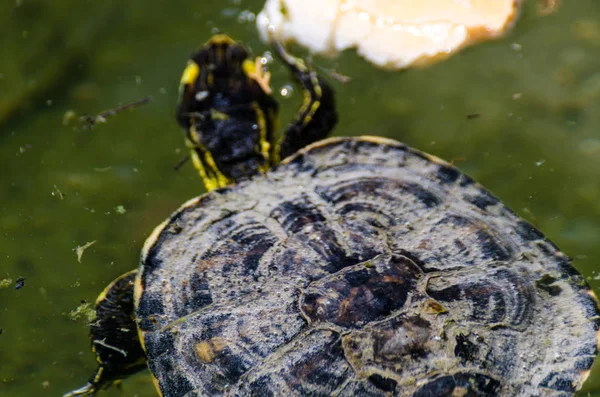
(317, 115)
(114, 337)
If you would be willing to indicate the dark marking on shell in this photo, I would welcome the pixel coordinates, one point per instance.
(305, 222)
(362, 389)
(448, 174)
(256, 240)
(488, 245)
(364, 223)
(568, 271)
(383, 188)
(152, 261)
(261, 387)
(465, 349)
(159, 344)
(149, 307)
(589, 304)
(160, 348)
(171, 380)
(213, 325)
(216, 358)
(236, 253)
(385, 384)
(370, 208)
(294, 216)
(426, 197)
(589, 348)
(232, 366)
(483, 200)
(490, 248)
(324, 369)
(196, 294)
(528, 232)
(501, 297)
(457, 241)
(465, 384)
(546, 283)
(315, 366)
(466, 180)
(558, 381)
(584, 363)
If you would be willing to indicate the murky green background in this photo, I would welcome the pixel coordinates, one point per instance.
(536, 145)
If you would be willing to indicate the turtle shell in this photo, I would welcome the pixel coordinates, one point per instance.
(361, 267)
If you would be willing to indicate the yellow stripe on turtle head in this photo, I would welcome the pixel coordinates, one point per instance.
(190, 74)
(204, 162)
(219, 179)
(210, 183)
(265, 145)
(219, 38)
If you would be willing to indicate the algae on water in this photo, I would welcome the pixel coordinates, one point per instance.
(85, 312)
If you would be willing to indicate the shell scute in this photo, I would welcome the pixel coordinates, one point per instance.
(361, 293)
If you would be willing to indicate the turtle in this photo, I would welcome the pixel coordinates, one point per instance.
(324, 266)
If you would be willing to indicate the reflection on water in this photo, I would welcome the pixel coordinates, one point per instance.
(535, 143)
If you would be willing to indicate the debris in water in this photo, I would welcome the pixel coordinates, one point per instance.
(69, 117)
(20, 283)
(91, 121)
(181, 163)
(5, 283)
(79, 249)
(58, 192)
(547, 7)
(85, 312)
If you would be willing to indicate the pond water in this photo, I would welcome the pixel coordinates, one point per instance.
(535, 143)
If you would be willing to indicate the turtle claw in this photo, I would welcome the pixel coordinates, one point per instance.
(86, 390)
(98, 382)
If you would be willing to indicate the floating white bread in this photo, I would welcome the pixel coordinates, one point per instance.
(390, 33)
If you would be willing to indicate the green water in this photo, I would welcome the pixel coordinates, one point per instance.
(536, 145)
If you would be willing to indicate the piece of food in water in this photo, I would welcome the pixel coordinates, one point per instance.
(393, 34)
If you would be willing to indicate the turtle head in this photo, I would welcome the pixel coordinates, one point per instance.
(227, 112)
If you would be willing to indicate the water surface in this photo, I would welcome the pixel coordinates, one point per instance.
(535, 144)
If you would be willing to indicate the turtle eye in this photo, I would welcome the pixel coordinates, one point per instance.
(201, 57)
(236, 54)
